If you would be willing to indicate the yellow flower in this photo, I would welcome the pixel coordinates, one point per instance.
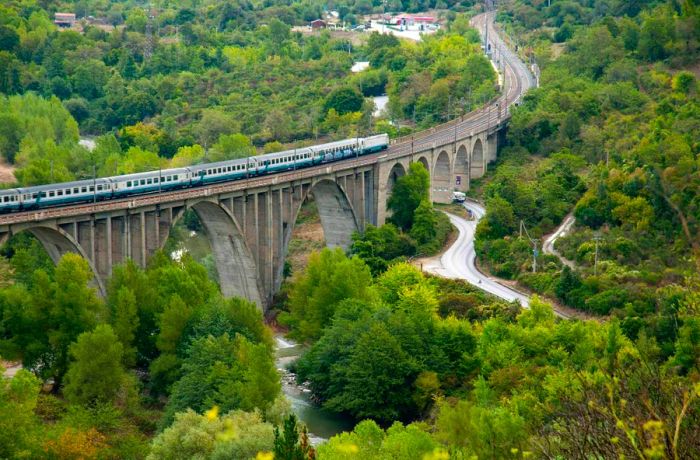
(212, 413)
(437, 454)
(348, 448)
(265, 456)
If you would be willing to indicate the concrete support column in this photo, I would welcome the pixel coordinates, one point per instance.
(108, 242)
(127, 236)
(92, 240)
(142, 247)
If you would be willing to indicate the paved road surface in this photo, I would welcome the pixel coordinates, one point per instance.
(563, 229)
(459, 261)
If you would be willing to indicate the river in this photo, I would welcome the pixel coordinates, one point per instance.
(322, 424)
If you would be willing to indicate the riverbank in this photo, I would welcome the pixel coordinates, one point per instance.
(322, 424)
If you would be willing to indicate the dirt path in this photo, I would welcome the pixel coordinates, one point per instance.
(7, 173)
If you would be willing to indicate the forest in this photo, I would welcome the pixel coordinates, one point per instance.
(611, 135)
(211, 94)
(425, 367)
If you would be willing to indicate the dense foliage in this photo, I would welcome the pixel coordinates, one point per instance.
(414, 226)
(611, 135)
(164, 332)
(173, 87)
(503, 383)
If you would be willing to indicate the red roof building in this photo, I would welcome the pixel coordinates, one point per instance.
(317, 24)
(406, 20)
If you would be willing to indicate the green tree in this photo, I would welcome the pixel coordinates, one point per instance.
(60, 310)
(344, 100)
(94, 377)
(407, 194)
(230, 147)
(292, 443)
(224, 372)
(376, 380)
(330, 278)
(125, 323)
(424, 222)
(19, 425)
(237, 434)
(9, 39)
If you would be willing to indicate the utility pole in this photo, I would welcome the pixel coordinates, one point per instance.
(596, 238)
(535, 249)
(94, 184)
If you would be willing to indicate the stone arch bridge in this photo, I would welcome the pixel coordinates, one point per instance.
(249, 222)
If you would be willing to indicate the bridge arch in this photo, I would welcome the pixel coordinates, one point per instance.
(461, 169)
(424, 161)
(337, 215)
(478, 166)
(235, 265)
(441, 178)
(398, 170)
(58, 242)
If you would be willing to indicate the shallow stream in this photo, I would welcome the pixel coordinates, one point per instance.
(322, 424)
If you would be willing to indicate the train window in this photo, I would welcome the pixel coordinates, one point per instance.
(128, 183)
(50, 194)
(84, 189)
(76, 190)
(4, 199)
(59, 193)
(34, 195)
(68, 192)
(91, 189)
(99, 188)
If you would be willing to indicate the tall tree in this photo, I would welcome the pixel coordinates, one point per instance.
(407, 194)
(96, 375)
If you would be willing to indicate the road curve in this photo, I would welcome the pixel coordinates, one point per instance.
(563, 229)
(459, 261)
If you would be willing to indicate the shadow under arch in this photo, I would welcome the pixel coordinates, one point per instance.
(236, 268)
(396, 171)
(441, 178)
(461, 169)
(424, 161)
(337, 218)
(477, 166)
(57, 243)
(337, 214)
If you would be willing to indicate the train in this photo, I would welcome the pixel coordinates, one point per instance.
(108, 188)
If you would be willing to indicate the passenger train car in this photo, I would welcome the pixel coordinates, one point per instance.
(107, 188)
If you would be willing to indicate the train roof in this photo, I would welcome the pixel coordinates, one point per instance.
(216, 164)
(77, 183)
(146, 174)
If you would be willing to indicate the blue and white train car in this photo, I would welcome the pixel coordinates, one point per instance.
(26, 198)
(149, 182)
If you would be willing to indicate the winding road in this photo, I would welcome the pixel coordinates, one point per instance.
(459, 261)
(563, 229)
